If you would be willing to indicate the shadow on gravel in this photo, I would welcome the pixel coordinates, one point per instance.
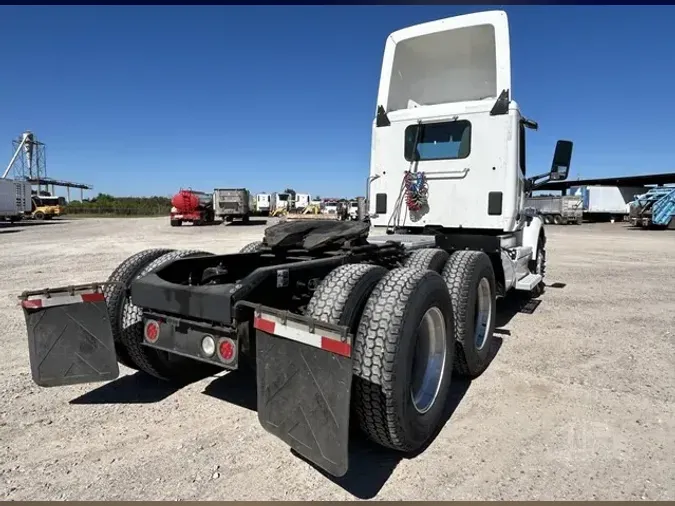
(137, 388)
(238, 387)
(250, 223)
(370, 465)
(4, 230)
(30, 223)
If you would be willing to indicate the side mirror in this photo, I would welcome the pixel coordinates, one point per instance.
(562, 157)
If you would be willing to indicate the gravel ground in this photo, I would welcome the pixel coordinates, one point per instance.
(578, 403)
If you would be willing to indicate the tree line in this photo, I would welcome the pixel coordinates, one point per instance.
(104, 204)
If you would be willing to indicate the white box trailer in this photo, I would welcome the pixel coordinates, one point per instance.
(607, 202)
(15, 199)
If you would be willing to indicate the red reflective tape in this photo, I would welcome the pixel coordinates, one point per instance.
(32, 304)
(93, 297)
(337, 347)
(264, 325)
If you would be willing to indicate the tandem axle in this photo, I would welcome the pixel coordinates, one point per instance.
(325, 327)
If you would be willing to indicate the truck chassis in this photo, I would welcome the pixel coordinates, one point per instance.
(337, 326)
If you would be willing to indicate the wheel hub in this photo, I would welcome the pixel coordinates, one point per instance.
(429, 360)
(483, 313)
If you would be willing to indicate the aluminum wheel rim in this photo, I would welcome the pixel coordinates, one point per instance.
(429, 360)
(483, 313)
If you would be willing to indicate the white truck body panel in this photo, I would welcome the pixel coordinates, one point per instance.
(262, 201)
(302, 200)
(460, 67)
(459, 59)
(279, 201)
(15, 198)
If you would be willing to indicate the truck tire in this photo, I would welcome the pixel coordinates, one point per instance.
(39, 215)
(176, 223)
(432, 259)
(547, 219)
(341, 296)
(116, 296)
(251, 247)
(470, 279)
(557, 219)
(407, 309)
(162, 365)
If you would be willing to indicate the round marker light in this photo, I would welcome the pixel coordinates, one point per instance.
(151, 331)
(208, 345)
(226, 350)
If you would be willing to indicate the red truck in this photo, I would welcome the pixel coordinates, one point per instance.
(191, 206)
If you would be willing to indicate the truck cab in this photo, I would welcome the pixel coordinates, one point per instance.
(449, 142)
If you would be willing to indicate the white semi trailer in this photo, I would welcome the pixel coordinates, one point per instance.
(603, 203)
(15, 199)
(338, 318)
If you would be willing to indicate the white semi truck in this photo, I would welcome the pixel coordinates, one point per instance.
(345, 325)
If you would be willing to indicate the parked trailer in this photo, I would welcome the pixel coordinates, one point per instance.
(560, 210)
(342, 318)
(15, 199)
(655, 208)
(607, 203)
(231, 204)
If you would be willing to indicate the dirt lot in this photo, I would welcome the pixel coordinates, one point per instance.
(579, 402)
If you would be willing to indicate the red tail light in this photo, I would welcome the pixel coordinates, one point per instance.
(151, 331)
(227, 350)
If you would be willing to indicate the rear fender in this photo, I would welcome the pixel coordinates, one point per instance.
(70, 339)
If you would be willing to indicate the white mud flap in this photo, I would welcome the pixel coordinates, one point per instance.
(70, 340)
(304, 376)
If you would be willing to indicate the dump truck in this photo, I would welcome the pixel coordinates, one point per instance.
(345, 324)
(231, 204)
(560, 209)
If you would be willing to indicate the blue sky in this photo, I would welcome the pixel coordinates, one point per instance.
(144, 100)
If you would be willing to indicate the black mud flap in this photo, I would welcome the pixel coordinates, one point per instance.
(69, 336)
(304, 377)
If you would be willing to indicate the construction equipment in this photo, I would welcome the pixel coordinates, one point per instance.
(335, 319)
(190, 206)
(46, 207)
(655, 208)
(560, 210)
(311, 212)
(231, 204)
